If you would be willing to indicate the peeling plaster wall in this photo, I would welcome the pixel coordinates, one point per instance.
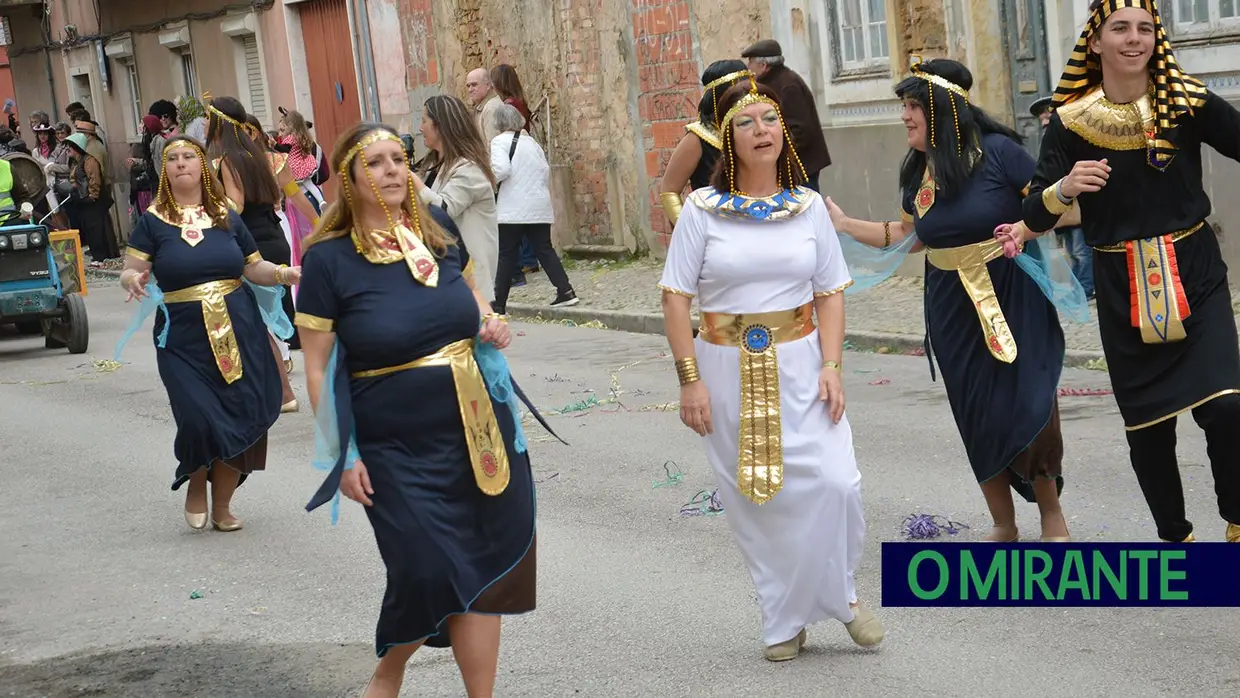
(725, 27)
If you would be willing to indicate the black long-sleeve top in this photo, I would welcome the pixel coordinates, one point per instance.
(1138, 201)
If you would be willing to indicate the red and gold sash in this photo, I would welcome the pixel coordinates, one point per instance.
(1159, 306)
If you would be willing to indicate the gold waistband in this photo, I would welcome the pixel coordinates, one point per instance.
(754, 332)
(487, 453)
(216, 321)
(1175, 237)
(203, 292)
(969, 262)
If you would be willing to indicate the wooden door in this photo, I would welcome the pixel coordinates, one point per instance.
(333, 78)
(1024, 39)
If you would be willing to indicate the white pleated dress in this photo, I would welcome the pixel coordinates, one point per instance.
(803, 546)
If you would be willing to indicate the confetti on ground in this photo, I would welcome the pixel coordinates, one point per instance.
(195, 594)
(1084, 392)
(673, 478)
(880, 381)
(106, 365)
(865, 370)
(704, 503)
(552, 476)
(664, 407)
(924, 526)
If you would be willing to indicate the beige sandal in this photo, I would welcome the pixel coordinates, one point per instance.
(866, 629)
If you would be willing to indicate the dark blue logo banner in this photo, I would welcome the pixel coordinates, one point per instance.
(1061, 574)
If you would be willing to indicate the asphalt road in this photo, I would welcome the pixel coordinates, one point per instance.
(104, 591)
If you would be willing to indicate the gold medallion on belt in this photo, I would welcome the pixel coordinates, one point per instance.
(760, 460)
(969, 262)
(488, 454)
(216, 321)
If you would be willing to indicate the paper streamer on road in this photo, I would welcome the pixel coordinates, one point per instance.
(926, 526)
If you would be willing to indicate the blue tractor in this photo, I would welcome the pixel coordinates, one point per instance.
(31, 294)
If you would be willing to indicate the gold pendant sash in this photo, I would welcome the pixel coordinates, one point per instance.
(969, 261)
(1159, 305)
(487, 452)
(216, 321)
(760, 461)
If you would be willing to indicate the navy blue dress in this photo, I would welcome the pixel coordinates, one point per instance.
(448, 547)
(1000, 409)
(216, 420)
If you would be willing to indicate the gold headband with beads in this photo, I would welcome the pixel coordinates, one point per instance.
(725, 132)
(164, 195)
(953, 90)
(713, 85)
(237, 125)
(1174, 92)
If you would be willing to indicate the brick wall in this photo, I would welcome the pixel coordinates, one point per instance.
(586, 132)
(670, 86)
(418, 30)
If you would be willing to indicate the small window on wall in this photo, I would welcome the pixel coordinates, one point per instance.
(253, 69)
(1196, 16)
(129, 72)
(860, 36)
(188, 73)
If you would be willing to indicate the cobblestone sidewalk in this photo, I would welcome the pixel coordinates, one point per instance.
(890, 313)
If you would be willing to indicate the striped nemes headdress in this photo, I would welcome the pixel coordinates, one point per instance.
(1174, 92)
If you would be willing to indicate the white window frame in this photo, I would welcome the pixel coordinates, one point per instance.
(133, 90)
(1215, 25)
(869, 65)
(189, 71)
(240, 27)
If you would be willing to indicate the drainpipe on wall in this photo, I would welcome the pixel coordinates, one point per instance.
(363, 52)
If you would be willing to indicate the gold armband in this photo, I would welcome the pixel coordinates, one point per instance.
(672, 204)
(687, 370)
(495, 316)
(832, 364)
(280, 274)
(886, 234)
(1050, 199)
(291, 188)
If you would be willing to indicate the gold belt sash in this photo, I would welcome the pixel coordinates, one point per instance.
(487, 453)
(1159, 305)
(969, 261)
(760, 461)
(217, 322)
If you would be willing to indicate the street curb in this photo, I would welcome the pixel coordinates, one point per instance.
(652, 323)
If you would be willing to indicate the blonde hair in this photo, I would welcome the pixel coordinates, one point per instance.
(300, 131)
(338, 221)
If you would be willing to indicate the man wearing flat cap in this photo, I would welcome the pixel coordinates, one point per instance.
(1071, 236)
(765, 60)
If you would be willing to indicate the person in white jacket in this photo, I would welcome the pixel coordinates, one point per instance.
(457, 178)
(523, 206)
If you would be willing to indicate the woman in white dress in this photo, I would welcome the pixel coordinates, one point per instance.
(761, 383)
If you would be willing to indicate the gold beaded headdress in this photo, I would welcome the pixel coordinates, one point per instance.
(953, 91)
(398, 242)
(753, 97)
(1174, 92)
(725, 82)
(238, 126)
(164, 199)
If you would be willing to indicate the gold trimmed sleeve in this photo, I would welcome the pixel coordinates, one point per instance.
(253, 258)
(138, 254)
(314, 322)
(1050, 199)
(833, 291)
(676, 291)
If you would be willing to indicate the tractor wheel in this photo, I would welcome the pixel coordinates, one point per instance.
(79, 326)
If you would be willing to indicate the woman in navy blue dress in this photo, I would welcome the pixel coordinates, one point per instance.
(998, 339)
(401, 352)
(214, 358)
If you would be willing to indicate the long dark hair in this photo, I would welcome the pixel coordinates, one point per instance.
(954, 145)
(227, 138)
(716, 70)
(788, 167)
(459, 136)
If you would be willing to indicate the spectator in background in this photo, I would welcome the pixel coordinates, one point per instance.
(508, 86)
(796, 103)
(483, 99)
(1071, 237)
(523, 206)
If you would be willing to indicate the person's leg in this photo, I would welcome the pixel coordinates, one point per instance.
(224, 481)
(390, 672)
(1083, 261)
(529, 260)
(539, 235)
(196, 499)
(998, 494)
(509, 253)
(475, 644)
(1054, 525)
(1152, 452)
(1220, 420)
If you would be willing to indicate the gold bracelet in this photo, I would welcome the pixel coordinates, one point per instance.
(495, 316)
(280, 274)
(832, 364)
(687, 370)
(886, 234)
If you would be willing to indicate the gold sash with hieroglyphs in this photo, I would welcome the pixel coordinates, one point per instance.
(969, 261)
(217, 322)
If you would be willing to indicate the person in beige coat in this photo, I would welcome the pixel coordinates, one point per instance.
(457, 177)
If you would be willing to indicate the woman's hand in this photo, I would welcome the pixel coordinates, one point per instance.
(1011, 236)
(292, 276)
(837, 215)
(831, 391)
(355, 484)
(135, 284)
(495, 331)
(695, 407)
(1086, 176)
